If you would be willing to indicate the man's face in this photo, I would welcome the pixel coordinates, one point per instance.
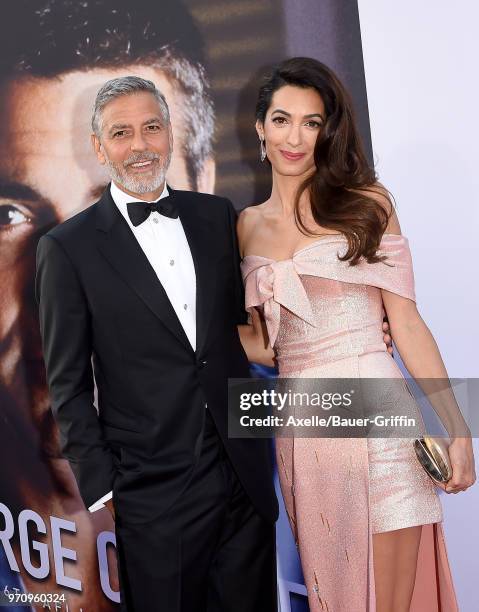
(48, 172)
(135, 143)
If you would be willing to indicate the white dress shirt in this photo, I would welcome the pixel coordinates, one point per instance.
(164, 243)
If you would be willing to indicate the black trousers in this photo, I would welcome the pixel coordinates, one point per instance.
(212, 553)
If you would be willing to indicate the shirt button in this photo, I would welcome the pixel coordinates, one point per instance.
(155, 220)
(172, 262)
(185, 306)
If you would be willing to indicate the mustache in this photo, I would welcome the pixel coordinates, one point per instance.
(135, 158)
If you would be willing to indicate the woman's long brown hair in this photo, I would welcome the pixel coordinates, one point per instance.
(339, 187)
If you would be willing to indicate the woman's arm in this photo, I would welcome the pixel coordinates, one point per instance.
(254, 337)
(255, 341)
(420, 354)
(422, 358)
(416, 345)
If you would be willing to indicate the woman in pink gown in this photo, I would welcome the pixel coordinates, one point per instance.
(323, 260)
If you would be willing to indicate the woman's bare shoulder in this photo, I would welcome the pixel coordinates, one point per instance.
(247, 222)
(249, 216)
(254, 210)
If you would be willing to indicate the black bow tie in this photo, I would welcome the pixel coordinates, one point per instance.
(140, 211)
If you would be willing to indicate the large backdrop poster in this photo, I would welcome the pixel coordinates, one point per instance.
(207, 58)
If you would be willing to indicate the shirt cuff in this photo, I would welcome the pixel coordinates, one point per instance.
(101, 502)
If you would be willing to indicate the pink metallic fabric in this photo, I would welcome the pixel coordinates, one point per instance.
(324, 319)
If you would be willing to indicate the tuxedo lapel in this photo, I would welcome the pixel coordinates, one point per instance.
(199, 234)
(120, 247)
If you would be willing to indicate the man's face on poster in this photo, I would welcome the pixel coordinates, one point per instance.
(49, 172)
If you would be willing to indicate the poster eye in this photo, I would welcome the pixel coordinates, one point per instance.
(11, 215)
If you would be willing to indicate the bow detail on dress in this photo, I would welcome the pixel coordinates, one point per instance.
(278, 284)
(274, 283)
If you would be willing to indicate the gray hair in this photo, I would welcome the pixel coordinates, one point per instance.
(196, 112)
(123, 86)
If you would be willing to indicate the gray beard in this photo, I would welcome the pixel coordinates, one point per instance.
(139, 184)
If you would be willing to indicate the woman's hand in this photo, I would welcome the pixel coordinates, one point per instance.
(461, 456)
(387, 336)
(254, 339)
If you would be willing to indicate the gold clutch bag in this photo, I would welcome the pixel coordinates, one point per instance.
(433, 455)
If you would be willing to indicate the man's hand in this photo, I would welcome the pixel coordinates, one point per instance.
(111, 508)
(386, 337)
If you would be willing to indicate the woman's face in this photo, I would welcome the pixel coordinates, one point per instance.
(292, 125)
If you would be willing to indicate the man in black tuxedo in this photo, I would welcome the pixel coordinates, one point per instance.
(145, 285)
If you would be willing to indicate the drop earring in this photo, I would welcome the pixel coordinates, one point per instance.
(262, 150)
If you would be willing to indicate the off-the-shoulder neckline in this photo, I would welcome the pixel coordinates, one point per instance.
(315, 244)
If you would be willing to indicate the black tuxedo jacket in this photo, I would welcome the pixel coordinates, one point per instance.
(104, 315)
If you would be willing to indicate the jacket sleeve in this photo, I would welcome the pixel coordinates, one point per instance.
(241, 316)
(65, 327)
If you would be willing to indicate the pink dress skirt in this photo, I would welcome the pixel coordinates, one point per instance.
(324, 319)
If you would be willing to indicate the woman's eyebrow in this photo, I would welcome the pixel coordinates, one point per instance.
(283, 112)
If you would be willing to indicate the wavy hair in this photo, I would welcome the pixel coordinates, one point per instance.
(340, 186)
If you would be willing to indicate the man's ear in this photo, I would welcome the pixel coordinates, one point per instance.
(96, 144)
(207, 176)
